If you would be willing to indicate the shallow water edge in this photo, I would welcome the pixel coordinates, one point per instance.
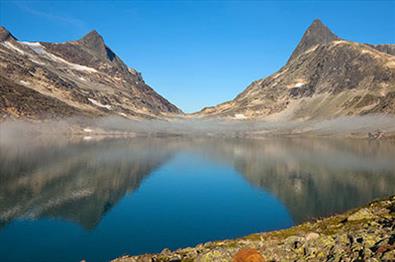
(366, 233)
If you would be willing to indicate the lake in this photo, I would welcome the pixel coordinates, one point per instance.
(70, 199)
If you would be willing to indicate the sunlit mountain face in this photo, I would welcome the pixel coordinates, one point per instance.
(326, 76)
(41, 80)
(125, 194)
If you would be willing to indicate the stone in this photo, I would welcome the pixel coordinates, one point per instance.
(215, 255)
(312, 236)
(166, 251)
(294, 242)
(361, 214)
(248, 255)
(175, 259)
(389, 256)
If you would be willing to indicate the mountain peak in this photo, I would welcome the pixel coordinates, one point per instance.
(92, 35)
(317, 22)
(5, 34)
(318, 29)
(317, 33)
(95, 42)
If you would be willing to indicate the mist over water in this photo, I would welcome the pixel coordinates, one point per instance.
(99, 199)
(201, 126)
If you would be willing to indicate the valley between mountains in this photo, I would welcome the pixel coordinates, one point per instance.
(329, 86)
(326, 77)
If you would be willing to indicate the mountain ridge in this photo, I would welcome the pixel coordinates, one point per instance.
(5, 34)
(85, 75)
(324, 78)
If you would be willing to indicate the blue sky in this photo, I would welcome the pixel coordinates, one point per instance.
(198, 53)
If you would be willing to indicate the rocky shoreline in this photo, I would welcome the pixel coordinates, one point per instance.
(363, 234)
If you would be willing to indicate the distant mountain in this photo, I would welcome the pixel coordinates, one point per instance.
(325, 77)
(85, 77)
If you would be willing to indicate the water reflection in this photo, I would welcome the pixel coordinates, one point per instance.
(314, 178)
(175, 198)
(80, 181)
(74, 181)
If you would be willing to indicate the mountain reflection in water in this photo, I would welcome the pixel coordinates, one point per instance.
(75, 181)
(82, 181)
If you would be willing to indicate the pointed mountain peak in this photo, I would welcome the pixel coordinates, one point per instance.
(5, 34)
(318, 29)
(95, 42)
(92, 36)
(317, 33)
(317, 22)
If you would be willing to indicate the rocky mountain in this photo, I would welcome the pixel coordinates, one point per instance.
(325, 77)
(316, 34)
(85, 77)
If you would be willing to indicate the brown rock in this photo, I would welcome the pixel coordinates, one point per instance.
(248, 255)
(312, 236)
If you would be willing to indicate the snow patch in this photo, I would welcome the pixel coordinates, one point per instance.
(37, 62)
(96, 103)
(9, 45)
(72, 65)
(339, 42)
(240, 116)
(25, 83)
(88, 130)
(299, 85)
(32, 44)
(39, 49)
(36, 47)
(123, 114)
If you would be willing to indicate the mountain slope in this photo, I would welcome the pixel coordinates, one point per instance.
(325, 77)
(83, 77)
(316, 34)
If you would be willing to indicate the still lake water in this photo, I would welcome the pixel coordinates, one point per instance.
(70, 200)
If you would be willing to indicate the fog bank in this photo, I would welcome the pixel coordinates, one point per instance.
(212, 127)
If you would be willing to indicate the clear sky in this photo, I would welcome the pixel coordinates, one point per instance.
(202, 53)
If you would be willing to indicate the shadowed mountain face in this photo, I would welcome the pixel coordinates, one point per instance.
(81, 181)
(83, 77)
(5, 35)
(316, 34)
(325, 77)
